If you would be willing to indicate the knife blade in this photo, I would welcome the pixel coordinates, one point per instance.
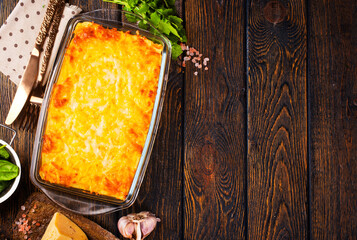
(31, 72)
(25, 87)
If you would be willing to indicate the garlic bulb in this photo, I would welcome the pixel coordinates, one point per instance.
(138, 225)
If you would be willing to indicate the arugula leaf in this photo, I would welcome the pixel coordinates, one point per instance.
(8, 170)
(3, 153)
(162, 15)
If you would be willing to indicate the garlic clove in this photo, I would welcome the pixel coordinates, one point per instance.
(148, 225)
(126, 227)
(139, 225)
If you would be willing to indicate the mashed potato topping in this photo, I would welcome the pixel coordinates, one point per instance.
(100, 110)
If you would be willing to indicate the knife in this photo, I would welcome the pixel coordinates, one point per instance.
(31, 72)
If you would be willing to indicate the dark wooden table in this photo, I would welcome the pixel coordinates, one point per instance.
(263, 145)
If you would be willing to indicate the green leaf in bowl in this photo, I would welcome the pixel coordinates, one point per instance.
(3, 153)
(4, 185)
(8, 170)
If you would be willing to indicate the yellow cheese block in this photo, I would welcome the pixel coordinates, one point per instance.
(61, 228)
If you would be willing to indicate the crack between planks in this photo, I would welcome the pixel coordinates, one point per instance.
(308, 113)
(246, 5)
(183, 139)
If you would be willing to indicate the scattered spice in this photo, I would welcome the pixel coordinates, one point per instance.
(25, 225)
(33, 209)
(195, 57)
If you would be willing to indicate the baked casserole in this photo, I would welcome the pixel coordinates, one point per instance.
(100, 110)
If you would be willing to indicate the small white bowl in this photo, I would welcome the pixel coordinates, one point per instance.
(15, 160)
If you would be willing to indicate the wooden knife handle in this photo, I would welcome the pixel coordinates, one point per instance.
(46, 23)
(51, 40)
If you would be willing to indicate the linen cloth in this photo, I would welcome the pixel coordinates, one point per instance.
(18, 36)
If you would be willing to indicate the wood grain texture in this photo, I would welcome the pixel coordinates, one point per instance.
(333, 94)
(22, 144)
(41, 209)
(277, 120)
(217, 156)
(161, 191)
(214, 134)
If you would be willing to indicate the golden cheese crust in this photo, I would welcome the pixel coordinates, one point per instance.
(100, 110)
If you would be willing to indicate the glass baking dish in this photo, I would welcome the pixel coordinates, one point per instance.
(77, 200)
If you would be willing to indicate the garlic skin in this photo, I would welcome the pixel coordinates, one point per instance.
(138, 225)
(148, 225)
(126, 227)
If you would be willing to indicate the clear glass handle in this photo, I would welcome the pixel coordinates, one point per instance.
(79, 205)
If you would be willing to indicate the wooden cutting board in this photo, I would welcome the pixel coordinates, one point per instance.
(38, 211)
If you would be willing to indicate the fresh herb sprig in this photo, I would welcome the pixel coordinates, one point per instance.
(162, 15)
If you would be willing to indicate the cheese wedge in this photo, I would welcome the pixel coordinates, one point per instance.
(61, 228)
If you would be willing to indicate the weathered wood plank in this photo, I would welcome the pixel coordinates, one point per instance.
(22, 143)
(333, 94)
(277, 120)
(161, 191)
(214, 131)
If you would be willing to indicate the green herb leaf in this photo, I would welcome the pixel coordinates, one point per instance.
(176, 50)
(170, 3)
(155, 18)
(142, 9)
(4, 185)
(176, 20)
(8, 170)
(162, 15)
(4, 153)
